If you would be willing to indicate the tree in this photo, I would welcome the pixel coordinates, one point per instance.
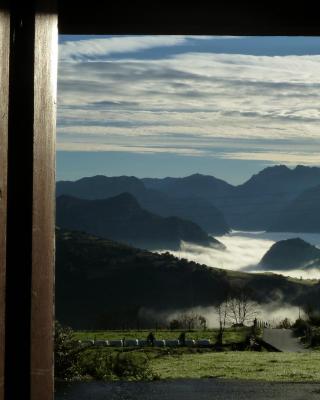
(174, 324)
(222, 311)
(188, 321)
(285, 324)
(202, 322)
(312, 313)
(241, 309)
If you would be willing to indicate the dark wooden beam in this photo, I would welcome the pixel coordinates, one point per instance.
(27, 148)
(4, 85)
(30, 210)
(201, 17)
(19, 210)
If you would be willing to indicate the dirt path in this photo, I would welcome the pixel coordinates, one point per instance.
(283, 340)
(187, 389)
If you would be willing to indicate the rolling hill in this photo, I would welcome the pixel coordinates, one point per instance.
(291, 254)
(104, 284)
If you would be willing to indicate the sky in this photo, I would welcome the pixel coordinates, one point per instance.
(156, 106)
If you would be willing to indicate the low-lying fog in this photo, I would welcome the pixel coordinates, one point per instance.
(272, 312)
(244, 250)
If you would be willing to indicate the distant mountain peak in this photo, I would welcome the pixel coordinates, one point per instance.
(274, 169)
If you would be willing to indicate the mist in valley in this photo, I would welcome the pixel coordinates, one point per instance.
(244, 250)
(273, 313)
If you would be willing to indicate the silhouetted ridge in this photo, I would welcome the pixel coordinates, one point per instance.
(193, 208)
(121, 218)
(212, 203)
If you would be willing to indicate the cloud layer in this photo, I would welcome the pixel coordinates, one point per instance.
(191, 103)
(244, 251)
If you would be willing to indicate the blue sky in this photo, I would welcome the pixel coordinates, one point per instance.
(175, 105)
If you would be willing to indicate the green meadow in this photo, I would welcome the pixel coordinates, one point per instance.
(184, 362)
(231, 335)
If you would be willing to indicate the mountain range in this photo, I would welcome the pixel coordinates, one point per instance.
(194, 208)
(253, 205)
(273, 199)
(121, 218)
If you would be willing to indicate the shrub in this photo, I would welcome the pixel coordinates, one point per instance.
(97, 365)
(132, 366)
(116, 365)
(66, 353)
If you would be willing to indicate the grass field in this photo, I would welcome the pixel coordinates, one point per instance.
(280, 367)
(231, 335)
(203, 363)
(181, 362)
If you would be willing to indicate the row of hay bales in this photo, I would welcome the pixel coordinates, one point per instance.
(145, 343)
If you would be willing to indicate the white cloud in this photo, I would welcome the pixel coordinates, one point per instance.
(192, 97)
(276, 157)
(96, 147)
(73, 49)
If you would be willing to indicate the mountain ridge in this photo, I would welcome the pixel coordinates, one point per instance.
(121, 218)
(211, 202)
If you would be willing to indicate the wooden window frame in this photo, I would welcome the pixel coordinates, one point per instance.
(28, 79)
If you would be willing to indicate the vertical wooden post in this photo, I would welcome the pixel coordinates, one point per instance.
(30, 209)
(4, 91)
(43, 222)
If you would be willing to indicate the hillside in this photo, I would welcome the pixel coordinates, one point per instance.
(121, 218)
(291, 254)
(101, 282)
(198, 210)
(301, 215)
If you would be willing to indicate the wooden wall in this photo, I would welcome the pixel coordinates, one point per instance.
(28, 66)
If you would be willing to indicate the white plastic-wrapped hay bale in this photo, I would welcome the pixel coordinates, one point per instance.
(131, 343)
(172, 343)
(160, 343)
(190, 342)
(203, 342)
(143, 342)
(101, 342)
(116, 343)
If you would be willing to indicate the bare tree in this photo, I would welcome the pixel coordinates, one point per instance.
(189, 320)
(222, 311)
(202, 322)
(241, 309)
